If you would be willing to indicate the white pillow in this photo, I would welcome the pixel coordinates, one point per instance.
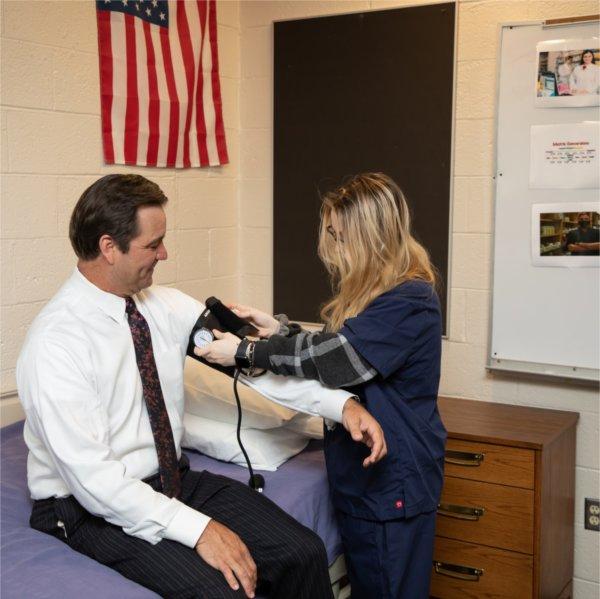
(267, 449)
(209, 394)
(308, 426)
(271, 433)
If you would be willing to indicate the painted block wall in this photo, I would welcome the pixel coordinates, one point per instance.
(220, 220)
(465, 350)
(51, 151)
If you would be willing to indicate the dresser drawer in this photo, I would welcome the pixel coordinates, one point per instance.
(485, 513)
(490, 463)
(463, 570)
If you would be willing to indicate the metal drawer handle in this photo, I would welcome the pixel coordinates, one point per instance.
(464, 458)
(462, 512)
(456, 571)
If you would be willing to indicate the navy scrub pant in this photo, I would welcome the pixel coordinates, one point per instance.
(388, 560)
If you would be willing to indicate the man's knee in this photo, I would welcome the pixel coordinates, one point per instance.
(317, 548)
(309, 549)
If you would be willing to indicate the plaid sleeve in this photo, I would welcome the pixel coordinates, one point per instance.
(327, 357)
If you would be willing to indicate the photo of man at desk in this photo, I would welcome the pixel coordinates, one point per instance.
(100, 377)
(569, 234)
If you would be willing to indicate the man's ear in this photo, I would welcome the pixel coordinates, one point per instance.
(108, 247)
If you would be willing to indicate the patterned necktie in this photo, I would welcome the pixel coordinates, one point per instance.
(159, 419)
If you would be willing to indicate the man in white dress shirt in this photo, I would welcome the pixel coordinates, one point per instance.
(100, 377)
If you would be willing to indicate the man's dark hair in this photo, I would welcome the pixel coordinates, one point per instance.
(109, 207)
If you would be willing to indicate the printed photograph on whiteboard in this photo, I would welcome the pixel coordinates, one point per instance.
(565, 156)
(566, 234)
(568, 74)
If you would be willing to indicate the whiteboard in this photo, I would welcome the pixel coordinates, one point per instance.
(545, 320)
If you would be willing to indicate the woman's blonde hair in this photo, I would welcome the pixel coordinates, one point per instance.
(376, 252)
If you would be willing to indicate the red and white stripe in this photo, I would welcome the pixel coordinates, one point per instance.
(160, 92)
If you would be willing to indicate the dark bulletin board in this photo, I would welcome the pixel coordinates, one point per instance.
(361, 92)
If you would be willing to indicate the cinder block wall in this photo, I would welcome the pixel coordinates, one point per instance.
(51, 151)
(465, 350)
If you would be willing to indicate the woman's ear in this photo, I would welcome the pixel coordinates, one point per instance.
(108, 248)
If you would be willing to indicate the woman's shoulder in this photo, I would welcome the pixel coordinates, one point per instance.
(417, 285)
(414, 288)
(410, 306)
(408, 293)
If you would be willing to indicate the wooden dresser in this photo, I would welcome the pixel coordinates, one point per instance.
(505, 521)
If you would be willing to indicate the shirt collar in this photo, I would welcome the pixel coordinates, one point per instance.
(111, 304)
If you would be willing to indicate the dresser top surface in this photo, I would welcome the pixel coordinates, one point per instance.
(503, 424)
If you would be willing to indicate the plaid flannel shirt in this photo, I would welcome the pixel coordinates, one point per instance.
(327, 357)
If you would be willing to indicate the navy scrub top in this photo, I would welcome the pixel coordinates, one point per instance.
(399, 334)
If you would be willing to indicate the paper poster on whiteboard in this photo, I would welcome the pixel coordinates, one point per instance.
(568, 73)
(565, 156)
(566, 235)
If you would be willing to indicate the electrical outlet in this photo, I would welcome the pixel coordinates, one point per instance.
(592, 514)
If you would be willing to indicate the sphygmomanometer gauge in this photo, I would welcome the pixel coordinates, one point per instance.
(203, 337)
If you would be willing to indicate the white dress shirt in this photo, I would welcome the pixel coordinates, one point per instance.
(307, 396)
(586, 77)
(87, 425)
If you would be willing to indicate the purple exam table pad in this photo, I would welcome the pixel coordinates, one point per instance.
(33, 564)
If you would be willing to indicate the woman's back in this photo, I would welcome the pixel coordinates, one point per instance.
(399, 334)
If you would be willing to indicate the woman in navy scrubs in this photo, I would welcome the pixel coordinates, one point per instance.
(382, 341)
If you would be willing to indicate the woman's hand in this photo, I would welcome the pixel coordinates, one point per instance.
(265, 323)
(222, 351)
(364, 428)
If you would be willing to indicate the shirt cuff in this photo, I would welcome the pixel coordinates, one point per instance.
(186, 526)
(332, 406)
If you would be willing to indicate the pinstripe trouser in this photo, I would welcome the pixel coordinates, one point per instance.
(290, 558)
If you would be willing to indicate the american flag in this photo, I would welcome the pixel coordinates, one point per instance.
(159, 83)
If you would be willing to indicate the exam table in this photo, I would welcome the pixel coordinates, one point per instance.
(34, 564)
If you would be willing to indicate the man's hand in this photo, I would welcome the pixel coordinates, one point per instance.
(263, 322)
(222, 549)
(222, 351)
(363, 427)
